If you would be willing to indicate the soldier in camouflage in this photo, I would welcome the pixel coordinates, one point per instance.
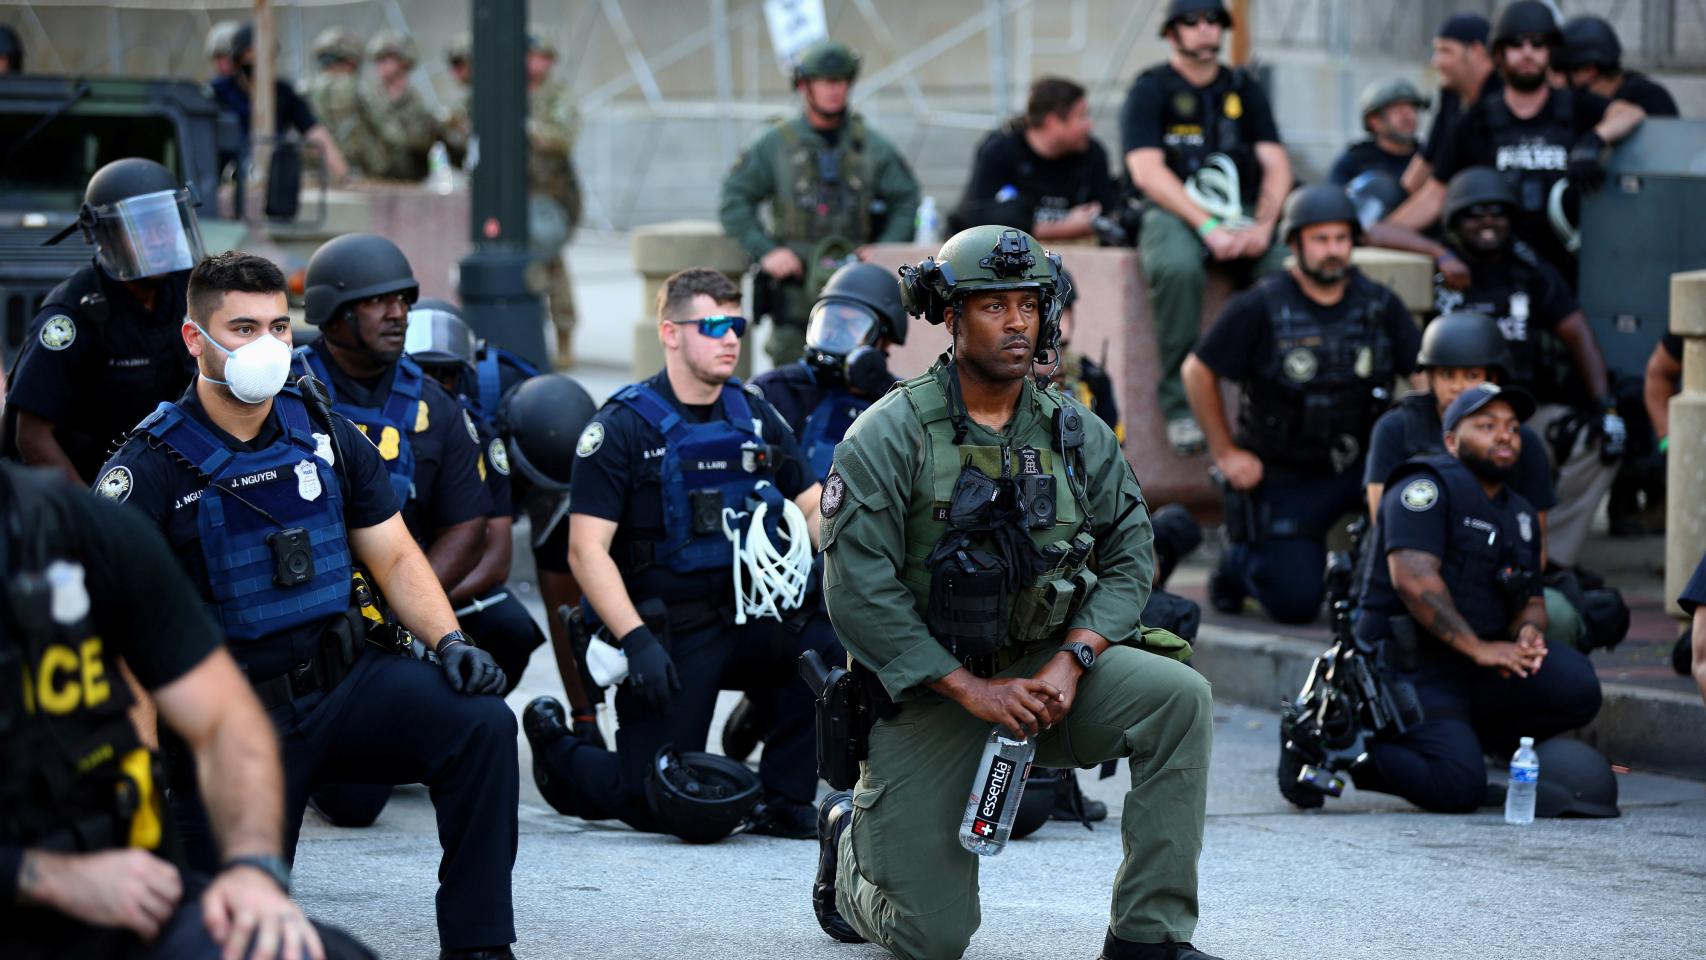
(554, 189)
(833, 185)
(457, 123)
(335, 91)
(401, 128)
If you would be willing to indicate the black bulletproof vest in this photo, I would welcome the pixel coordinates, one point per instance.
(1533, 155)
(1314, 399)
(1196, 122)
(1503, 292)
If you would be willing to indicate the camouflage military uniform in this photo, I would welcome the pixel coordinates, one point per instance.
(875, 203)
(457, 126)
(400, 133)
(554, 195)
(336, 99)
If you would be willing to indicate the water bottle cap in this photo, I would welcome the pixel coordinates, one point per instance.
(1527, 741)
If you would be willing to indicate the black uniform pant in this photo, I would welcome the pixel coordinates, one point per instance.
(396, 720)
(1282, 565)
(1469, 712)
(761, 659)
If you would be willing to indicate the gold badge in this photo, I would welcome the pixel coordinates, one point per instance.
(1232, 106)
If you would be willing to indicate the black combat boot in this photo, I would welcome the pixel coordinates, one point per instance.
(833, 819)
(544, 723)
(1113, 948)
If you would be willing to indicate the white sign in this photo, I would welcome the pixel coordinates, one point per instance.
(794, 26)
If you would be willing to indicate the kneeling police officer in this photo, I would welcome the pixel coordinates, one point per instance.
(85, 851)
(103, 349)
(685, 486)
(271, 501)
(987, 552)
(1315, 349)
(1457, 556)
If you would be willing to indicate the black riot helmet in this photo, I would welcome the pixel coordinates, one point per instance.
(438, 336)
(1318, 203)
(1525, 18)
(354, 267)
(1590, 42)
(859, 305)
(542, 418)
(140, 219)
(1575, 781)
(12, 48)
(1180, 9)
(1465, 339)
(1036, 804)
(700, 797)
(1474, 186)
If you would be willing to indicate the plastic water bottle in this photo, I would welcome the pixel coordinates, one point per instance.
(438, 169)
(995, 792)
(929, 231)
(1525, 781)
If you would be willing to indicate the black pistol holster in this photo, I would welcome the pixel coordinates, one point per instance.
(845, 714)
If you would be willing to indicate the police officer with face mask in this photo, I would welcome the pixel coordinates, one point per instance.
(1457, 555)
(1484, 269)
(692, 523)
(103, 349)
(1316, 350)
(1536, 136)
(1016, 606)
(273, 503)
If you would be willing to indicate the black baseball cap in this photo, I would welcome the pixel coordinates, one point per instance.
(1478, 396)
(1465, 28)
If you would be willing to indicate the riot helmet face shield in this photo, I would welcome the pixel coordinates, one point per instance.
(438, 338)
(837, 327)
(146, 235)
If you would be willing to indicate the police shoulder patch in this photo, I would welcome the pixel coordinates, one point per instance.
(58, 332)
(1419, 494)
(834, 493)
(468, 421)
(591, 439)
(115, 484)
(498, 454)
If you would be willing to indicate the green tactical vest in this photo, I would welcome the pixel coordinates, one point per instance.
(1044, 608)
(807, 207)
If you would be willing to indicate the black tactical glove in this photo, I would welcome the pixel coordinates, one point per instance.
(1587, 171)
(469, 669)
(651, 673)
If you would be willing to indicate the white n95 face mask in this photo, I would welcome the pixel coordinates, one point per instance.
(255, 371)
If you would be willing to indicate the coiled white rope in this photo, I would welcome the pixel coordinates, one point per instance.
(767, 580)
(1215, 189)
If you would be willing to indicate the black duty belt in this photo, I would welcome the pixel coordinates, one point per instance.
(294, 684)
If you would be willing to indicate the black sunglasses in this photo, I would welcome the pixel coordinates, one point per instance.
(715, 327)
(1198, 19)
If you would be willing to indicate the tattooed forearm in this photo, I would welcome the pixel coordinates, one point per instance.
(1415, 575)
(1445, 622)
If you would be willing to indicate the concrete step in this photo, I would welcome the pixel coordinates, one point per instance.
(1640, 727)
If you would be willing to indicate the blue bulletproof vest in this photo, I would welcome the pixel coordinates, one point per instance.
(715, 465)
(251, 496)
(488, 380)
(827, 424)
(390, 424)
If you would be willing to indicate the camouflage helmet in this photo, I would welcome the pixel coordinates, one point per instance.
(984, 260)
(461, 49)
(336, 45)
(219, 37)
(394, 43)
(1381, 94)
(827, 59)
(538, 41)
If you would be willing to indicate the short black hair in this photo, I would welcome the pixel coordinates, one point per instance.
(231, 271)
(677, 292)
(1051, 96)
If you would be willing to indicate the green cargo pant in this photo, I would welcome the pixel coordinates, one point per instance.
(1174, 268)
(904, 881)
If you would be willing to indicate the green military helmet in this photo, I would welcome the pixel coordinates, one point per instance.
(394, 43)
(986, 259)
(538, 41)
(460, 50)
(1381, 94)
(336, 45)
(827, 59)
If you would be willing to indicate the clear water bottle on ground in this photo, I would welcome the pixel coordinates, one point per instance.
(439, 174)
(995, 792)
(929, 229)
(1525, 782)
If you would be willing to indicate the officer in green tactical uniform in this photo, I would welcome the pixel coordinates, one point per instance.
(335, 91)
(457, 123)
(400, 128)
(987, 552)
(833, 185)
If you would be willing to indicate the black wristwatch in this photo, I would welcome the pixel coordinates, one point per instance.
(1081, 652)
(273, 867)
